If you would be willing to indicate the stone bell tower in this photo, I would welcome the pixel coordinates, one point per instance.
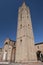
(25, 50)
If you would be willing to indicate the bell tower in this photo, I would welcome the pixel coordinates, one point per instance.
(25, 50)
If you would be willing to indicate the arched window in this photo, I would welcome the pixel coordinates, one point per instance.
(6, 43)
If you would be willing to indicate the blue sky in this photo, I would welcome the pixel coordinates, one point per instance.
(9, 19)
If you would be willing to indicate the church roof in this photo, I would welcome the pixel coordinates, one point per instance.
(39, 43)
(12, 40)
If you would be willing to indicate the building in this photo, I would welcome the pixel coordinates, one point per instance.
(7, 53)
(25, 39)
(23, 49)
(39, 51)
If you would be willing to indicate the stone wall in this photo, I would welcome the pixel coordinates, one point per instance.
(11, 49)
(39, 47)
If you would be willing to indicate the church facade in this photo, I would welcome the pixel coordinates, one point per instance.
(23, 49)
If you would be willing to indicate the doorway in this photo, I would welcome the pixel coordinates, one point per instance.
(5, 56)
(39, 56)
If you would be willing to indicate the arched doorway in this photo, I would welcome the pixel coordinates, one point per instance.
(5, 56)
(39, 56)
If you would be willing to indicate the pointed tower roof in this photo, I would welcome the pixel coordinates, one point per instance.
(23, 4)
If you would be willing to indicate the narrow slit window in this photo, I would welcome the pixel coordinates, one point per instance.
(21, 26)
(21, 40)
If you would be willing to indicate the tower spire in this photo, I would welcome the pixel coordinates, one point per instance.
(23, 2)
(23, 5)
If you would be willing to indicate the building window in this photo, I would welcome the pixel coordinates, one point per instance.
(28, 24)
(38, 47)
(21, 16)
(21, 40)
(6, 43)
(5, 50)
(21, 26)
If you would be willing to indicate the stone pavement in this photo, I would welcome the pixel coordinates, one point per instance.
(29, 63)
